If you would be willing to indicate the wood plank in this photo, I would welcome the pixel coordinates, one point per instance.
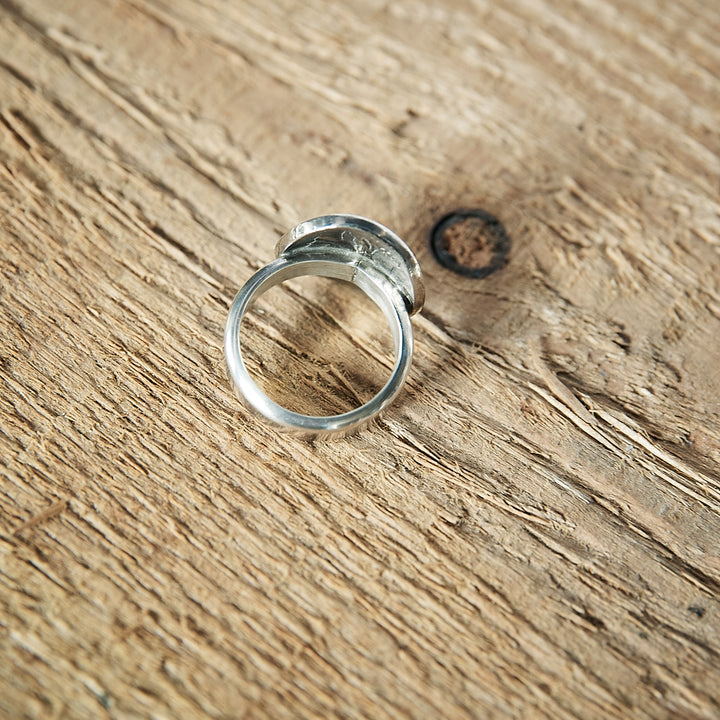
(530, 531)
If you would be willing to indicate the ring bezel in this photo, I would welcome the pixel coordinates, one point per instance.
(358, 240)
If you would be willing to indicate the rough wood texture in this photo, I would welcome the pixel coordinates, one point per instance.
(531, 531)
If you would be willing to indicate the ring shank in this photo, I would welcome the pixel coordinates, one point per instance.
(385, 297)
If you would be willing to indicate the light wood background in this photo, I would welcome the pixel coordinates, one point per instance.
(532, 530)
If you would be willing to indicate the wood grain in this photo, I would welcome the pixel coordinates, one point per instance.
(531, 531)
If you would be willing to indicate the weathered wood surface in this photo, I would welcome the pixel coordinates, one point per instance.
(531, 531)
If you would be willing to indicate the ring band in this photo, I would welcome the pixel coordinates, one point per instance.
(346, 247)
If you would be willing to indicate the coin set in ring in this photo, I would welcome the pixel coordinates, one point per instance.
(346, 247)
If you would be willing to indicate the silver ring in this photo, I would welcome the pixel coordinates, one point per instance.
(346, 247)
